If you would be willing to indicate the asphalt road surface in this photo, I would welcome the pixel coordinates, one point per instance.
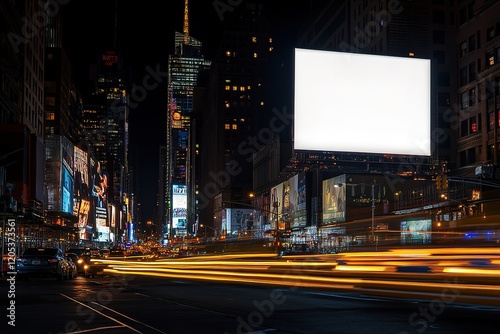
(141, 304)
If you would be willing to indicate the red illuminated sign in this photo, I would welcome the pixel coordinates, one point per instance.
(109, 58)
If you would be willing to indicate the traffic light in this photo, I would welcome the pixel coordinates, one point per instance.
(441, 182)
(444, 182)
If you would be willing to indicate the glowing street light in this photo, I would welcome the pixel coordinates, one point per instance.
(205, 227)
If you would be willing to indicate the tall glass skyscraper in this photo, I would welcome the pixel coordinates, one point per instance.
(183, 68)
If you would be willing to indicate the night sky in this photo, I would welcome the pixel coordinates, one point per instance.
(145, 38)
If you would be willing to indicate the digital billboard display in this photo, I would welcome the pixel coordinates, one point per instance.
(416, 232)
(81, 201)
(334, 199)
(179, 206)
(276, 205)
(67, 192)
(350, 102)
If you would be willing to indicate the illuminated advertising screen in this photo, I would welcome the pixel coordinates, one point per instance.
(67, 192)
(83, 213)
(293, 205)
(81, 174)
(276, 204)
(300, 191)
(239, 221)
(334, 199)
(416, 232)
(179, 206)
(366, 103)
(81, 201)
(102, 225)
(100, 186)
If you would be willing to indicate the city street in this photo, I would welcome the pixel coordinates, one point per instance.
(141, 304)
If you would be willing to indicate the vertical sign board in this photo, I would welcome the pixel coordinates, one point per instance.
(334, 200)
(179, 206)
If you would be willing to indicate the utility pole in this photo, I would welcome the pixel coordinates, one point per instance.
(373, 212)
(276, 204)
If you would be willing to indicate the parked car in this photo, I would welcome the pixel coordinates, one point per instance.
(73, 270)
(78, 261)
(43, 261)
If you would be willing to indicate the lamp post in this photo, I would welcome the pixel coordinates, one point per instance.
(205, 227)
(449, 200)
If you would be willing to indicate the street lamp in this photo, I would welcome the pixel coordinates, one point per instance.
(467, 207)
(205, 227)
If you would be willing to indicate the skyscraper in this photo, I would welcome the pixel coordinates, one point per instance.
(238, 107)
(183, 68)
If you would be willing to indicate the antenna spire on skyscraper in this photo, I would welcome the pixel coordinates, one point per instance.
(186, 22)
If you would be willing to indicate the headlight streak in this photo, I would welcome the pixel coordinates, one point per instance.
(457, 270)
(400, 272)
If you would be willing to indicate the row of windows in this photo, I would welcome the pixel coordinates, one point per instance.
(474, 41)
(473, 124)
(472, 44)
(230, 126)
(474, 95)
(236, 88)
(469, 73)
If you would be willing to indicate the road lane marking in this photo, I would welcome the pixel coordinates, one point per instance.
(104, 315)
(129, 318)
(95, 329)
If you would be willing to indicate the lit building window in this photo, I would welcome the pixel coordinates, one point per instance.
(227, 126)
(248, 87)
(227, 104)
(50, 116)
(270, 40)
(228, 87)
(242, 88)
(270, 49)
(235, 126)
(228, 53)
(254, 39)
(261, 103)
(235, 88)
(242, 120)
(255, 54)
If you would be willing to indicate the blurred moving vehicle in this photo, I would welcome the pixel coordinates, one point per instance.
(105, 253)
(78, 261)
(91, 264)
(116, 253)
(43, 261)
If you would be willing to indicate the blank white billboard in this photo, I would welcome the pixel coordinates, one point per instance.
(348, 102)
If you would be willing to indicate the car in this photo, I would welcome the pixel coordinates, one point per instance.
(73, 270)
(104, 253)
(92, 263)
(43, 261)
(78, 261)
(116, 253)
